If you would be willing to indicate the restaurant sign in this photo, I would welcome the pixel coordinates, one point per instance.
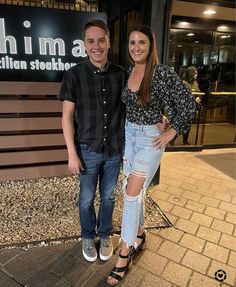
(39, 44)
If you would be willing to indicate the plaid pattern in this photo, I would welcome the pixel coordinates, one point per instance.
(99, 112)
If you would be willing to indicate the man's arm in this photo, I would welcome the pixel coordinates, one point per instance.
(74, 163)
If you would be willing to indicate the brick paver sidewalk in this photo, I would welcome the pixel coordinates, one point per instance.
(201, 203)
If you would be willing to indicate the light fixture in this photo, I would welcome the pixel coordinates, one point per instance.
(196, 42)
(223, 27)
(179, 46)
(225, 36)
(190, 34)
(209, 12)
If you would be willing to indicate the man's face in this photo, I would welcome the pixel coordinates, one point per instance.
(97, 44)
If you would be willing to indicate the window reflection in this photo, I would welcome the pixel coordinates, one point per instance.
(206, 48)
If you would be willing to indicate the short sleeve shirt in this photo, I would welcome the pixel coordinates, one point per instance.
(99, 111)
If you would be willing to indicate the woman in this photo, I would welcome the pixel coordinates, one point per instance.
(150, 87)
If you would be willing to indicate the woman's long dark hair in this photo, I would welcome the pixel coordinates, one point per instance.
(152, 61)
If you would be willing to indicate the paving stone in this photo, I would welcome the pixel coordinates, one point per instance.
(7, 281)
(172, 234)
(230, 271)
(228, 207)
(176, 254)
(62, 266)
(52, 281)
(219, 188)
(204, 191)
(189, 187)
(212, 179)
(187, 226)
(223, 226)
(209, 201)
(171, 217)
(232, 258)
(201, 219)
(222, 196)
(234, 198)
(191, 195)
(9, 254)
(195, 206)
(175, 190)
(215, 212)
(178, 200)
(153, 242)
(181, 212)
(196, 261)
(209, 234)
(32, 261)
(177, 274)
(192, 242)
(161, 195)
(135, 275)
(231, 217)
(151, 280)
(170, 181)
(228, 241)
(216, 252)
(199, 280)
(152, 262)
(164, 205)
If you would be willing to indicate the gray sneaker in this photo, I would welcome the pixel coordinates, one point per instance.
(106, 249)
(89, 250)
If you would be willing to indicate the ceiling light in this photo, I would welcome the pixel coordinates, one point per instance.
(179, 46)
(222, 27)
(196, 42)
(190, 34)
(225, 36)
(183, 23)
(209, 12)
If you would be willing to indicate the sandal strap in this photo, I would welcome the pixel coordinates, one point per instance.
(123, 256)
(142, 236)
(120, 269)
(115, 276)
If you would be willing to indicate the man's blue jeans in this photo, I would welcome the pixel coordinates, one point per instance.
(98, 168)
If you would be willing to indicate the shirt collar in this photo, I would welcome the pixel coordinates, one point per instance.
(95, 69)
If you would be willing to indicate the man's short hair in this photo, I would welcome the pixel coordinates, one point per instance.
(95, 23)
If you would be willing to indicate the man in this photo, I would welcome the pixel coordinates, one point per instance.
(93, 126)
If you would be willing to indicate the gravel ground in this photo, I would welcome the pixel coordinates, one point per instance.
(45, 209)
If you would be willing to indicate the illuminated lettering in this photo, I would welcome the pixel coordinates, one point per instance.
(51, 44)
(79, 51)
(6, 39)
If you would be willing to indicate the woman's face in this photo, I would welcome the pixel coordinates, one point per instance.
(139, 47)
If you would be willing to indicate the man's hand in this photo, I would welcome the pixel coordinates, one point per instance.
(75, 165)
(163, 125)
(162, 140)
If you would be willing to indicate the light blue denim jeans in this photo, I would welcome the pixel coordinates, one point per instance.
(140, 158)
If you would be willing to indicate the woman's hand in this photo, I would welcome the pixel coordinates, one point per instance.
(162, 140)
(75, 165)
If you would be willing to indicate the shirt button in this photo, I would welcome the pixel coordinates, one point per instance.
(105, 127)
(104, 102)
(104, 90)
(104, 140)
(105, 115)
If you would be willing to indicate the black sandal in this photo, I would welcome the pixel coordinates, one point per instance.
(135, 251)
(124, 269)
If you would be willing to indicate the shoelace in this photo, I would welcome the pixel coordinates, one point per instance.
(106, 243)
(90, 245)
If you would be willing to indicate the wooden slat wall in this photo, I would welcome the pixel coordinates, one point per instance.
(31, 138)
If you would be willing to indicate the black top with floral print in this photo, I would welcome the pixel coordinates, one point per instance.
(167, 92)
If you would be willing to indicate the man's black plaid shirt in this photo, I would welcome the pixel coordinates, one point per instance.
(99, 112)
